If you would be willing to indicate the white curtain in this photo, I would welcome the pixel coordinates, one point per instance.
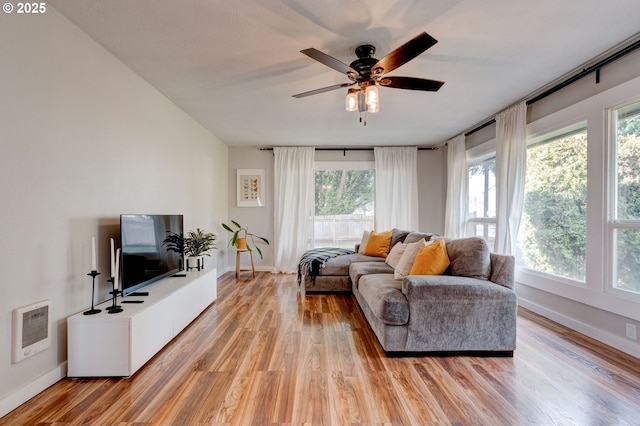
(396, 188)
(293, 206)
(511, 158)
(457, 188)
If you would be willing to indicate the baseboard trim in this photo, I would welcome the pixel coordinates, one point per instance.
(605, 337)
(30, 390)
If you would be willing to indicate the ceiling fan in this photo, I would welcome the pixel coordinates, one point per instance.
(368, 72)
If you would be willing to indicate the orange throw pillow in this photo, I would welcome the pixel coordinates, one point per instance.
(431, 260)
(378, 244)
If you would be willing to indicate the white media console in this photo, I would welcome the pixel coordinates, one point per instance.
(117, 345)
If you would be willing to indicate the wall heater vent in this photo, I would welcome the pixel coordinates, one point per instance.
(31, 330)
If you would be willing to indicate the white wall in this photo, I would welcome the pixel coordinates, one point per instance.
(432, 171)
(82, 140)
(258, 219)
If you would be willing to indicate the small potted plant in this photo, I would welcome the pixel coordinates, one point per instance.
(196, 245)
(240, 235)
(174, 242)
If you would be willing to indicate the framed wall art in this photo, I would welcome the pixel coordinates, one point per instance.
(250, 191)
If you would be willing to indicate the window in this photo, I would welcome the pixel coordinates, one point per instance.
(624, 223)
(482, 199)
(552, 235)
(344, 203)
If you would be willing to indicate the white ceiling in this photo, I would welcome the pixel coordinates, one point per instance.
(234, 65)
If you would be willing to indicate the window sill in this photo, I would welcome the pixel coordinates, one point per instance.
(592, 293)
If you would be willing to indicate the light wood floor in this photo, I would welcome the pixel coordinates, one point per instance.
(265, 354)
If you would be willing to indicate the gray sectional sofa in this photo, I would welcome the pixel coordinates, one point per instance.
(471, 307)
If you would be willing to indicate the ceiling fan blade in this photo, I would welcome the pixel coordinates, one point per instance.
(403, 54)
(411, 83)
(324, 89)
(329, 61)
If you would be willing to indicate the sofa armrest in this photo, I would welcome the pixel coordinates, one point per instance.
(440, 288)
(459, 313)
(503, 270)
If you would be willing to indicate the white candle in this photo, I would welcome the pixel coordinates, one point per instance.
(93, 254)
(117, 272)
(113, 260)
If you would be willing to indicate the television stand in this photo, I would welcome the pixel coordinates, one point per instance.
(117, 345)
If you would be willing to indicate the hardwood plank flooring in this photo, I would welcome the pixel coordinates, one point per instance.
(266, 354)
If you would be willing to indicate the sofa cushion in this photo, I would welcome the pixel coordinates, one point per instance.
(469, 257)
(398, 236)
(378, 244)
(384, 296)
(406, 261)
(413, 237)
(339, 265)
(395, 254)
(431, 260)
(358, 269)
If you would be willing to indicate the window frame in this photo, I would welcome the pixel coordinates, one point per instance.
(546, 136)
(614, 224)
(477, 155)
(593, 109)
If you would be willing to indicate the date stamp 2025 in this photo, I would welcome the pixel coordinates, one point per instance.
(25, 8)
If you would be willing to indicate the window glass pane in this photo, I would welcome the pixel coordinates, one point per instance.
(627, 246)
(482, 188)
(344, 206)
(552, 236)
(486, 230)
(628, 162)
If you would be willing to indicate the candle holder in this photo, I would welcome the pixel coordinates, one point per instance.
(93, 310)
(114, 309)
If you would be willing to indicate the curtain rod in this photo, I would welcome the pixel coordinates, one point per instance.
(344, 150)
(593, 68)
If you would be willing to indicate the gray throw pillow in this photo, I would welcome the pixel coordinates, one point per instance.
(469, 257)
(397, 236)
(417, 236)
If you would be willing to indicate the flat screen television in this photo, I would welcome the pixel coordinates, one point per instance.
(145, 256)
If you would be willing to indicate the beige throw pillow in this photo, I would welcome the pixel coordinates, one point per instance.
(364, 241)
(395, 254)
(406, 260)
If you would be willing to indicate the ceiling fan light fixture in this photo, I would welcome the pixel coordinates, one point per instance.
(372, 98)
(351, 102)
(367, 72)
